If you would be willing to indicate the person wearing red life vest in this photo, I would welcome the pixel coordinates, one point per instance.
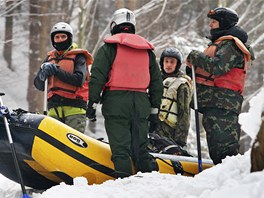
(66, 71)
(220, 76)
(125, 69)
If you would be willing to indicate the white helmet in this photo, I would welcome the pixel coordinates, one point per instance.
(61, 27)
(122, 15)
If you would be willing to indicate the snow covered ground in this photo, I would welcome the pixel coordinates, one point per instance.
(232, 178)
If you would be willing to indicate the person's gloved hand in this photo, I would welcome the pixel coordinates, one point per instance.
(91, 111)
(192, 58)
(153, 120)
(188, 71)
(4, 110)
(47, 70)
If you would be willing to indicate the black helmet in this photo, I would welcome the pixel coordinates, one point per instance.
(174, 53)
(227, 17)
(65, 28)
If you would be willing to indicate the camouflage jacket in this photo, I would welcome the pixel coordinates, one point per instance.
(175, 106)
(227, 56)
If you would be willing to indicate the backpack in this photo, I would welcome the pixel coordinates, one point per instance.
(164, 145)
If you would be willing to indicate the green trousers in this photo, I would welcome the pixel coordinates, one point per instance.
(222, 133)
(128, 143)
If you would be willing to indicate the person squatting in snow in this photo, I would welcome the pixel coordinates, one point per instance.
(125, 66)
(173, 121)
(220, 76)
(66, 71)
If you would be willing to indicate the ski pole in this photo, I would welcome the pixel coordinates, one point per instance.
(45, 97)
(5, 112)
(197, 126)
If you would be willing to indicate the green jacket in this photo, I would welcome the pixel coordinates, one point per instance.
(227, 56)
(99, 77)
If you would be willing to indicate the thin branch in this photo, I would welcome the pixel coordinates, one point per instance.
(245, 13)
(158, 17)
(191, 23)
(92, 24)
(258, 40)
(12, 7)
(102, 35)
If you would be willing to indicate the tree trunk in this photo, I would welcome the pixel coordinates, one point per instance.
(119, 4)
(44, 41)
(257, 152)
(34, 62)
(81, 26)
(7, 51)
(92, 27)
(131, 4)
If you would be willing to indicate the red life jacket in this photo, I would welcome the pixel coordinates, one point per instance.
(66, 63)
(130, 69)
(234, 79)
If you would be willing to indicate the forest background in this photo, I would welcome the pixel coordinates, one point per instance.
(25, 40)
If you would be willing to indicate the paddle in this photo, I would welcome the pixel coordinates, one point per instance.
(5, 112)
(197, 126)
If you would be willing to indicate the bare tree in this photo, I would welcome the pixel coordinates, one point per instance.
(86, 20)
(34, 62)
(92, 27)
(43, 43)
(7, 52)
(119, 3)
(131, 4)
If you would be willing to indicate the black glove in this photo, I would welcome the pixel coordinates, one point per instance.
(153, 122)
(188, 71)
(91, 111)
(47, 70)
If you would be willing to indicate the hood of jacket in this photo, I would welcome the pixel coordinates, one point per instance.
(233, 31)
